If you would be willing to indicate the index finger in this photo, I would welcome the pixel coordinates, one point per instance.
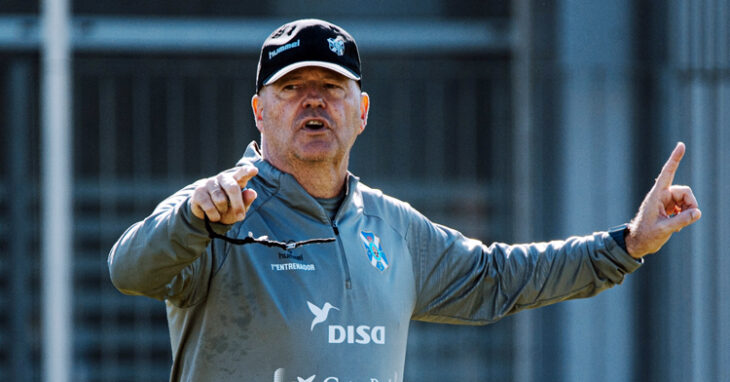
(244, 174)
(666, 177)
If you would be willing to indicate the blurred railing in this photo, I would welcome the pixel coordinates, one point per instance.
(146, 124)
(149, 126)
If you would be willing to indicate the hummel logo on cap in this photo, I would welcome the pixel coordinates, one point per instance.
(308, 42)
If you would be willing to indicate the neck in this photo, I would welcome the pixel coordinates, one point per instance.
(321, 183)
(319, 179)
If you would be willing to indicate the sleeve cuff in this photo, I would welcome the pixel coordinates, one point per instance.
(199, 224)
(618, 234)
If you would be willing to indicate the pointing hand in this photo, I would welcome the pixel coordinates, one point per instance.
(666, 209)
(224, 197)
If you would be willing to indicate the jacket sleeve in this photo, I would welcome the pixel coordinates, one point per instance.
(166, 256)
(462, 281)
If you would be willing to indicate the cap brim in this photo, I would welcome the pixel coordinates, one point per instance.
(322, 64)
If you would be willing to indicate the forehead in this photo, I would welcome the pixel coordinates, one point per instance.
(313, 73)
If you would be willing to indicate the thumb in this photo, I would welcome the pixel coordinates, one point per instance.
(683, 219)
(249, 196)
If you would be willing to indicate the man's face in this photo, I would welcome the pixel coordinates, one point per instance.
(310, 115)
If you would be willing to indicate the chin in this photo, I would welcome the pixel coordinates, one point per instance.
(315, 157)
(316, 151)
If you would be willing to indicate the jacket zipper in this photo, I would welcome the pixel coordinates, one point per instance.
(336, 230)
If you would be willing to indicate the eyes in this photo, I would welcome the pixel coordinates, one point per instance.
(298, 86)
(329, 88)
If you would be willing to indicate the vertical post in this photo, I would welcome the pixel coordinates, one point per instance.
(522, 370)
(596, 56)
(722, 241)
(703, 163)
(723, 188)
(703, 262)
(56, 200)
(18, 121)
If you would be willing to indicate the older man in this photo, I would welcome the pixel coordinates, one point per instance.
(287, 267)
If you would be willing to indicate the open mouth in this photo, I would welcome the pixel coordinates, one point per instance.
(314, 125)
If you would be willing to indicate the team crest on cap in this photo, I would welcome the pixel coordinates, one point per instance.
(375, 252)
(337, 45)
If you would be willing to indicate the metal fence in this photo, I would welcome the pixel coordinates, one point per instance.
(19, 220)
(441, 135)
(146, 126)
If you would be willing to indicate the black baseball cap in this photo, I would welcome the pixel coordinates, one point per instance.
(307, 42)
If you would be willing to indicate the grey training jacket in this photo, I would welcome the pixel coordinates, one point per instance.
(336, 311)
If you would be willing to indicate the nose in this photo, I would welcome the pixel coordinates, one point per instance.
(313, 98)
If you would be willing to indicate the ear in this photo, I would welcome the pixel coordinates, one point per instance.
(258, 110)
(364, 109)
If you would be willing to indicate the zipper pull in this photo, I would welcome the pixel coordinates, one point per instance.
(335, 229)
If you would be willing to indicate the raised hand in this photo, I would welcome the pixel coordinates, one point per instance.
(666, 209)
(224, 197)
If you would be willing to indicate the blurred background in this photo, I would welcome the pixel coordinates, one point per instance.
(511, 121)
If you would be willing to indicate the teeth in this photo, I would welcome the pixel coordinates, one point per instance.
(315, 123)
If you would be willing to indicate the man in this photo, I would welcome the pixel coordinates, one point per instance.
(327, 291)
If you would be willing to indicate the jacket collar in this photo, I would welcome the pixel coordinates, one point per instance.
(287, 188)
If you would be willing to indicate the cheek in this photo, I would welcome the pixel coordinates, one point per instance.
(273, 117)
(357, 119)
(351, 110)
